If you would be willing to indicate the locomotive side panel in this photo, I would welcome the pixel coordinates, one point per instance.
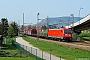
(57, 33)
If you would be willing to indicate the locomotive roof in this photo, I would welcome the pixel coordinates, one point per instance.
(59, 29)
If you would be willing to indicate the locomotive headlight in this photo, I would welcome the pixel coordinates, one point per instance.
(65, 35)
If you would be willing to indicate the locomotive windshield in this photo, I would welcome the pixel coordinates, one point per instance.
(67, 31)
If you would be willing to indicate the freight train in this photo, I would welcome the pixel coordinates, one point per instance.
(56, 34)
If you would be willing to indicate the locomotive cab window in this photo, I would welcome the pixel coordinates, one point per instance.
(67, 31)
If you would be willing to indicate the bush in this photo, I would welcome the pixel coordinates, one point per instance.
(85, 34)
(86, 38)
(75, 36)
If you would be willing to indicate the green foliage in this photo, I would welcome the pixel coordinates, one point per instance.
(75, 36)
(4, 26)
(13, 50)
(86, 38)
(54, 26)
(64, 52)
(13, 38)
(17, 45)
(85, 34)
(13, 29)
(44, 33)
(10, 31)
(44, 27)
(1, 29)
(16, 58)
(22, 27)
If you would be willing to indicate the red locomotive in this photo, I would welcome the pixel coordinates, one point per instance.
(62, 33)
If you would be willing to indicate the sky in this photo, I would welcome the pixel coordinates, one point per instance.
(13, 9)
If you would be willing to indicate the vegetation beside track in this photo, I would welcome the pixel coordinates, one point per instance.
(58, 50)
(16, 58)
(85, 36)
(13, 50)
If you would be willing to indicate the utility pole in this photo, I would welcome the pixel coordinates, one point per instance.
(18, 23)
(79, 14)
(47, 24)
(18, 27)
(37, 25)
(23, 22)
(72, 24)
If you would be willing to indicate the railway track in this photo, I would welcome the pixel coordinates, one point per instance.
(86, 43)
(81, 45)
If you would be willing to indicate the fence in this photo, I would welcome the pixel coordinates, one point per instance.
(35, 52)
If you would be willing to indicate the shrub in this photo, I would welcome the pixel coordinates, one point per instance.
(85, 34)
(75, 36)
(86, 38)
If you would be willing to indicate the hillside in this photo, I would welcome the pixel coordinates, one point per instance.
(59, 21)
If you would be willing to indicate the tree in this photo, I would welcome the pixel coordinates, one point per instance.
(22, 27)
(30, 26)
(44, 27)
(4, 26)
(54, 26)
(1, 29)
(13, 29)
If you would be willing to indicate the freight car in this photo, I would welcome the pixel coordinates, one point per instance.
(33, 32)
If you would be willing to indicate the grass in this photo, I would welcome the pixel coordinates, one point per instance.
(13, 38)
(16, 58)
(13, 50)
(58, 50)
